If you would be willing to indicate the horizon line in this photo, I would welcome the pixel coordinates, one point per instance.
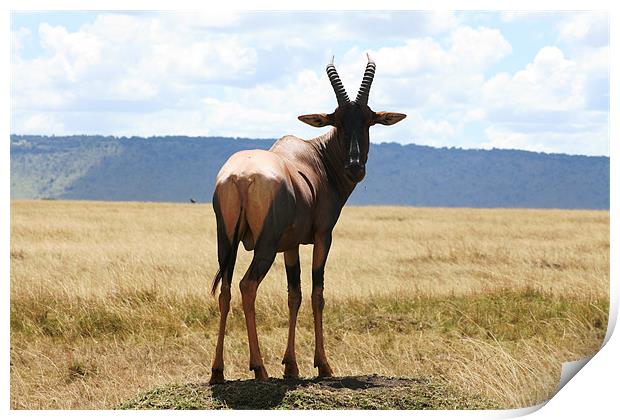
(275, 139)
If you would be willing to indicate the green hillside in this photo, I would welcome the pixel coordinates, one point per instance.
(178, 168)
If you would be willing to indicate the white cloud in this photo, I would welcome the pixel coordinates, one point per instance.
(120, 57)
(477, 48)
(586, 28)
(423, 72)
(440, 21)
(251, 74)
(133, 88)
(429, 127)
(268, 110)
(474, 114)
(555, 104)
(437, 83)
(594, 142)
(17, 39)
(429, 130)
(178, 59)
(550, 82)
(42, 124)
(595, 61)
(468, 49)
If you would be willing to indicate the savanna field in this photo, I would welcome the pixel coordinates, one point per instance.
(111, 300)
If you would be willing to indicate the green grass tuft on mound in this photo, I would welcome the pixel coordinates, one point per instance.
(352, 392)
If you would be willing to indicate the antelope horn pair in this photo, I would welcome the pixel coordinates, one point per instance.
(341, 94)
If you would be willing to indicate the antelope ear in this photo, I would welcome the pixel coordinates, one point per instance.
(316, 120)
(388, 118)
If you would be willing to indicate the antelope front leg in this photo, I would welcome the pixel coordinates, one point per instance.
(293, 279)
(319, 257)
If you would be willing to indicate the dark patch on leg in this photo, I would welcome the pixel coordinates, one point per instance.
(318, 303)
(293, 279)
(317, 287)
(260, 265)
(318, 276)
(293, 276)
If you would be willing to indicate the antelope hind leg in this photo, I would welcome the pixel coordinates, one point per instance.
(293, 279)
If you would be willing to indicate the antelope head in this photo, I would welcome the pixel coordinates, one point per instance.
(352, 120)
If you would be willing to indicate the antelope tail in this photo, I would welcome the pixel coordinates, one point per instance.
(228, 263)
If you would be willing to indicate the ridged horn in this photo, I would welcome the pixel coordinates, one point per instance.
(341, 94)
(369, 74)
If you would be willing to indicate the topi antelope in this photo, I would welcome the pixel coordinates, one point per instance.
(275, 200)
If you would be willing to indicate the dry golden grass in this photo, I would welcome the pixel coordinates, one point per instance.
(109, 299)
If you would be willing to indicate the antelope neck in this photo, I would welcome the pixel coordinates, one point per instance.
(333, 155)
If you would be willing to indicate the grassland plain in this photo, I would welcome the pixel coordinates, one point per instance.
(111, 300)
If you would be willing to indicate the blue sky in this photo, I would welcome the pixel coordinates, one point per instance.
(532, 81)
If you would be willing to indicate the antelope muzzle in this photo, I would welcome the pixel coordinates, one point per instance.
(355, 168)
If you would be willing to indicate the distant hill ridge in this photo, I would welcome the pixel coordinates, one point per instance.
(177, 168)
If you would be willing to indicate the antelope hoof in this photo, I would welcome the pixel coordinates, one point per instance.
(325, 371)
(291, 371)
(260, 373)
(217, 376)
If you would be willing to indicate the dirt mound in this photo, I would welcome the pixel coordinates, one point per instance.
(352, 392)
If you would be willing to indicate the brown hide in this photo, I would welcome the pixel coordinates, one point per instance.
(292, 180)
